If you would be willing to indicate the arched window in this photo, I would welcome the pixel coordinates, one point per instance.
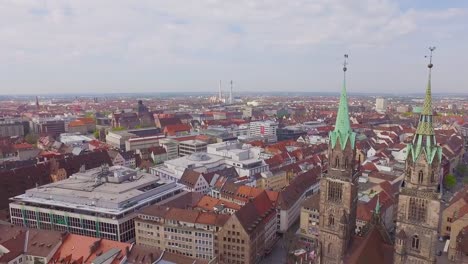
(420, 176)
(337, 162)
(415, 242)
(329, 248)
(331, 220)
(346, 163)
(409, 174)
(432, 177)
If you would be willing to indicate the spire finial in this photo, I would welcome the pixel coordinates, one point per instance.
(427, 106)
(345, 63)
(431, 49)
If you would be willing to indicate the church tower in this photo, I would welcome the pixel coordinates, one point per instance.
(338, 188)
(419, 199)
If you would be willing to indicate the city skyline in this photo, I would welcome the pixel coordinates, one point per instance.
(89, 47)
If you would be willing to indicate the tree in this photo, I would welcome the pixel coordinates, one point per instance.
(96, 134)
(450, 181)
(31, 138)
(118, 129)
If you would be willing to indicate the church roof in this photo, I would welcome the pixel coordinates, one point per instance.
(370, 249)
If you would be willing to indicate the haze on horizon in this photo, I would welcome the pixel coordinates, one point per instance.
(175, 46)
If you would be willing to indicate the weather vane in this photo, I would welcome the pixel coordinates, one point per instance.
(431, 49)
(345, 62)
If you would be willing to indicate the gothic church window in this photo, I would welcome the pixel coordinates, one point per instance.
(420, 176)
(329, 248)
(346, 163)
(417, 209)
(335, 191)
(337, 162)
(415, 242)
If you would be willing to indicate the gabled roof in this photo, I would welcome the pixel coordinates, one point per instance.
(190, 178)
(291, 194)
(253, 214)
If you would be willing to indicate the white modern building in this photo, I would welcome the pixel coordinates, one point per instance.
(264, 129)
(189, 147)
(101, 202)
(245, 159)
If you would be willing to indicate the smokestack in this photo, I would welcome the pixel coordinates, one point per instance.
(37, 102)
(220, 96)
(230, 94)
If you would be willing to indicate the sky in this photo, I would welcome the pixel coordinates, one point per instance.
(114, 46)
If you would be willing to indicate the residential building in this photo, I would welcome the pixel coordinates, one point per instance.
(186, 232)
(22, 245)
(272, 181)
(289, 200)
(309, 219)
(122, 158)
(381, 105)
(250, 233)
(158, 154)
(101, 202)
(456, 209)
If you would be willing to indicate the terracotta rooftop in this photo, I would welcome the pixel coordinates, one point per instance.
(83, 249)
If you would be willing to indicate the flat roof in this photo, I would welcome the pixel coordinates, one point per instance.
(113, 190)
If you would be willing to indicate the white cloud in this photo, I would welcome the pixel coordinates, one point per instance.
(165, 29)
(151, 32)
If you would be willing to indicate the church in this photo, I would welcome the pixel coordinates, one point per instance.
(418, 203)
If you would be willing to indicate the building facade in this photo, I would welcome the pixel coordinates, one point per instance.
(419, 200)
(339, 189)
(98, 203)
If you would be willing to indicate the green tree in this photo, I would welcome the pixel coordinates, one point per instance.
(96, 134)
(450, 181)
(31, 138)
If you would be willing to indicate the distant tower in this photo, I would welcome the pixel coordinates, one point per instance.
(339, 187)
(220, 95)
(37, 103)
(230, 94)
(419, 199)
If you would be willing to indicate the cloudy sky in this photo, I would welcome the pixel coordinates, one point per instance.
(265, 45)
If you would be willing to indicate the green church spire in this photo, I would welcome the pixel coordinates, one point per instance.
(424, 138)
(342, 131)
(377, 205)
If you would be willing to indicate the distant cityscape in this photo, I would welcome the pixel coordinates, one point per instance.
(229, 177)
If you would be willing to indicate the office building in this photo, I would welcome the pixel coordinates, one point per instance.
(265, 129)
(100, 202)
(188, 147)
